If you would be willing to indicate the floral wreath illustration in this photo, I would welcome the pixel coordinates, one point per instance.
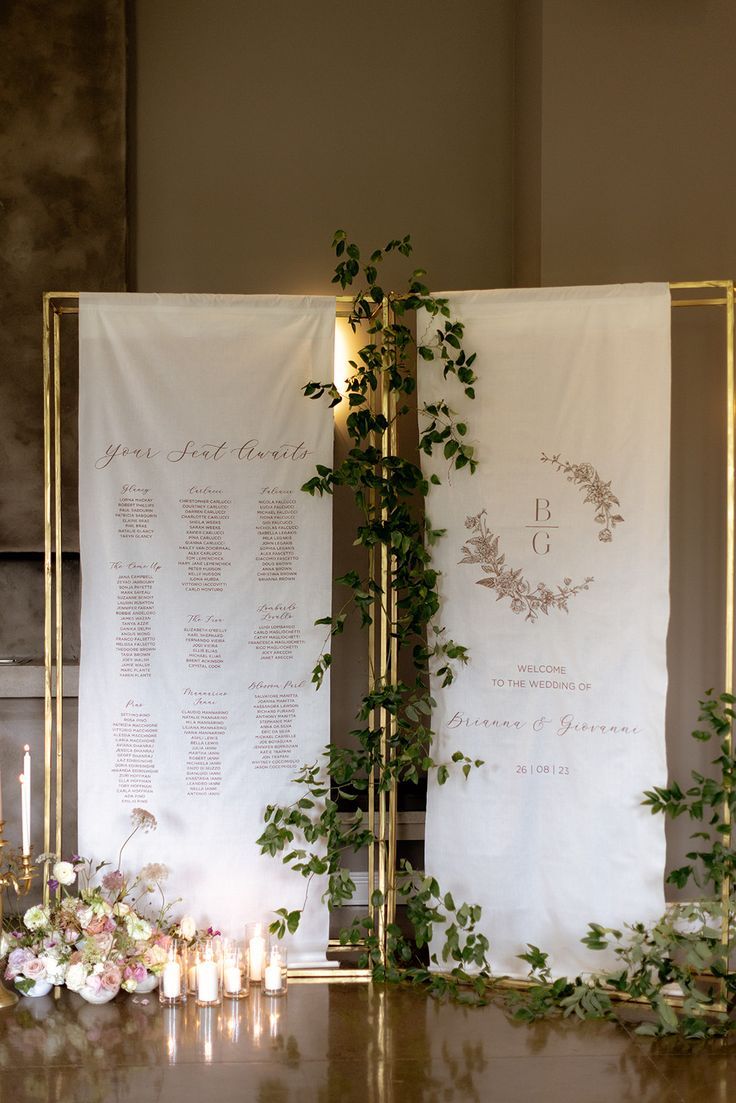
(483, 548)
(597, 493)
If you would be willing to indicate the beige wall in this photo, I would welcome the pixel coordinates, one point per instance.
(261, 128)
(633, 123)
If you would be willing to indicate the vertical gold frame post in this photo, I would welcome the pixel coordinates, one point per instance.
(48, 587)
(391, 449)
(726, 299)
(55, 305)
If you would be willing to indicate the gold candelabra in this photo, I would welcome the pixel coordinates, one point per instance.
(20, 881)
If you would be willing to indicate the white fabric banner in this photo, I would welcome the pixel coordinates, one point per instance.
(555, 573)
(204, 568)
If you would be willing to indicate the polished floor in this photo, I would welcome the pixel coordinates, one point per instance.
(339, 1042)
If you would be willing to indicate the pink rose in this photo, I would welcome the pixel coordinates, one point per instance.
(103, 942)
(135, 972)
(110, 978)
(17, 959)
(94, 982)
(35, 969)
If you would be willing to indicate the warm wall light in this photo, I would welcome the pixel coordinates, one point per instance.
(343, 354)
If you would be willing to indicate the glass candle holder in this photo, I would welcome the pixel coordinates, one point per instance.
(275, 971)
(234, 970)
(209, 972)
(255, 942)
(173, 983)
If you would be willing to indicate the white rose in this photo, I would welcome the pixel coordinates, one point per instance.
(188, 927)
(36, 918)
(76, 976)
(55, 969)
(138, 929)
(63, 872)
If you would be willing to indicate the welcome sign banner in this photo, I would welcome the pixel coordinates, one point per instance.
(555, 573)
(204, 568)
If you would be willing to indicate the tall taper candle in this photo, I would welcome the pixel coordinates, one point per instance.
(25, 826)
(27, 776)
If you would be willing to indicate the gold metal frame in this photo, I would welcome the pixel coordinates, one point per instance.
(383, 657)
(726, 299)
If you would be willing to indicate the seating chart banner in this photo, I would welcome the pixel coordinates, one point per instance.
(204, 568)
(555, 572)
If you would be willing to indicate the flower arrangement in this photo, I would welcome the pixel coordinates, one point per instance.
(107, 936)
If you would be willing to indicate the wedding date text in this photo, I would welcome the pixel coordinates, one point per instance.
(542, 768)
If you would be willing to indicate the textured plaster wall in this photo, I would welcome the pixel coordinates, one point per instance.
(62, 228)
(62, 209)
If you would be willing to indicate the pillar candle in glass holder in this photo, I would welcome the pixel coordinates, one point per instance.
(256, 950)
(208, 974)
(234, 974)
(274, 974)
(173, 986)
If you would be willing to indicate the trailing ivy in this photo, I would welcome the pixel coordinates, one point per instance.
(313, 835)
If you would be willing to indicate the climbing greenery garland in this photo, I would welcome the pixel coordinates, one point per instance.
(314, 836)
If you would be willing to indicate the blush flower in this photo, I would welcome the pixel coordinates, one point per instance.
(155, 872)
(17, 960)
(187, 927)
(34, 969)
(143, 820)
(110, 978)
(113, 881)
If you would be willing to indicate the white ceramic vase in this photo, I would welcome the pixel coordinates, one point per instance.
(102, 995)
(40, 988)
(150, 984)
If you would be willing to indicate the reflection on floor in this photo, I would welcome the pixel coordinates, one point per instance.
(338, 1042)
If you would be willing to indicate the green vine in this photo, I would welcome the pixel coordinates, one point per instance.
(314, 835)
